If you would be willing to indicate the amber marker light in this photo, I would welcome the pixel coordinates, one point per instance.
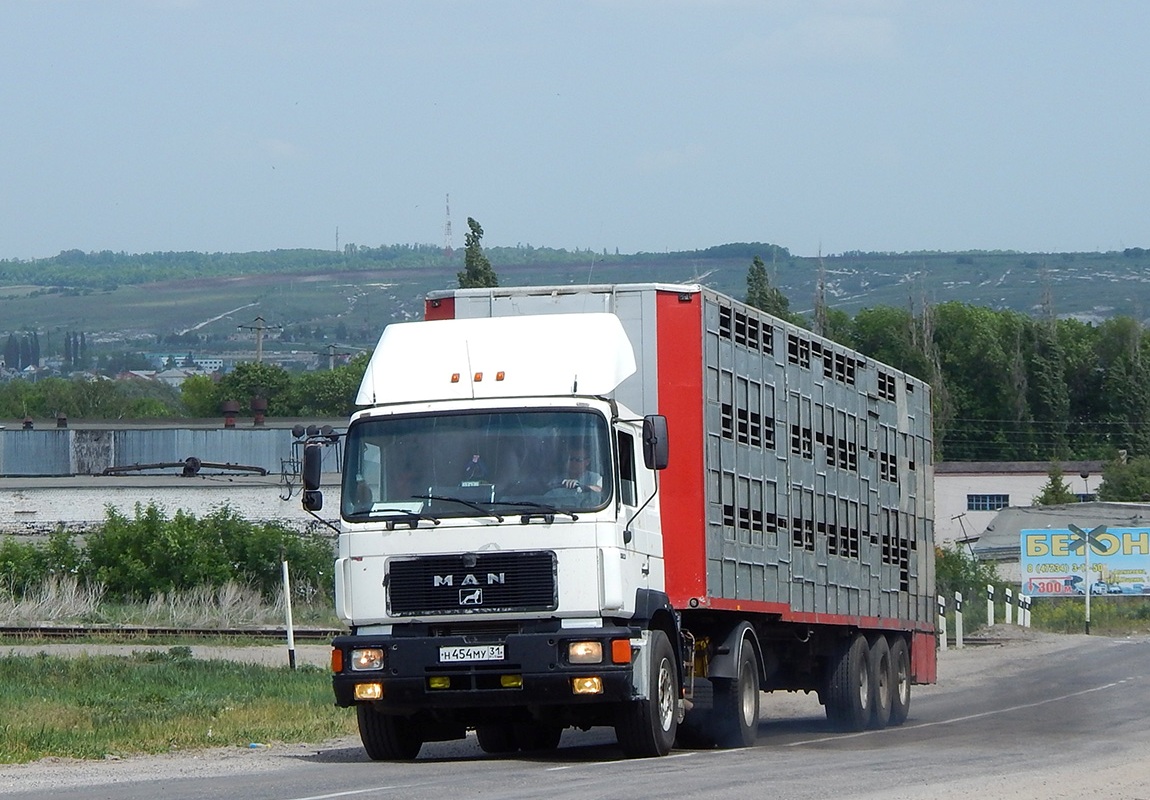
(500, 375)
(455, 377)
(478, 377)
(620, 651)
(590, 685)
(368, 691)
(336, 660)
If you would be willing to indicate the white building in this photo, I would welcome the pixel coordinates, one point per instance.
(968, 495)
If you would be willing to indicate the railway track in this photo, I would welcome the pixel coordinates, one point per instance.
(140, 632)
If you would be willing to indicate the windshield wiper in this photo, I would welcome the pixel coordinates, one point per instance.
(444, 499)
(401, 515)
(545, 511)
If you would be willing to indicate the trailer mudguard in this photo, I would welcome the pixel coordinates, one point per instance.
(728, 648)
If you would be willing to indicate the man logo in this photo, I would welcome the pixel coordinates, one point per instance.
(470, 597)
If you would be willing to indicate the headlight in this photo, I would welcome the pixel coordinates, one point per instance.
(369, 658)
(585, 652)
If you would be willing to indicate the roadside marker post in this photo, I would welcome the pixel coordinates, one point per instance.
(958, 620)
(990, 605)
(1009, 606)
(290, 626)
(941, 622)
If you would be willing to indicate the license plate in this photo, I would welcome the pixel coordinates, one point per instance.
(491, 652)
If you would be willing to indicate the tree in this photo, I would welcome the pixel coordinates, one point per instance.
(250, 380)
(1055, 492)
(477, 271)
(1126, 481)
(762, 295)
(201, 396)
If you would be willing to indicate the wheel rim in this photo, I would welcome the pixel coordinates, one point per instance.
(666, 695)
(864, 687)
(883, 685)
(749, 695)
(902, 681)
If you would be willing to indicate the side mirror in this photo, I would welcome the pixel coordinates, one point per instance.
(312, 500)
(655, 442)
(312, 468)
(312, 465)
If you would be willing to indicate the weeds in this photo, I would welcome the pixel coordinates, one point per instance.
(57, 599)
(93, 707)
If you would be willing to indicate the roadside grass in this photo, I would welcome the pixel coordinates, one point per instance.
(1109, 616)
(93, 707)
(64, 600)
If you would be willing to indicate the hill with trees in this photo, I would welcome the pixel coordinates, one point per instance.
(1031, 356)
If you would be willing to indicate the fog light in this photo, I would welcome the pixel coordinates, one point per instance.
(585, 652)
(439, 682)
(589, 685)
(368, 691)
(370, 658)
(511, 681)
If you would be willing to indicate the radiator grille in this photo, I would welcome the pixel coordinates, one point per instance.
(472, 583)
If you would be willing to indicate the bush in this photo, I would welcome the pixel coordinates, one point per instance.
(150, 554)
(957, 570)
(24, 566)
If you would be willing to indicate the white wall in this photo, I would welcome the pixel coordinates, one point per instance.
(950, 493)
(37, 506)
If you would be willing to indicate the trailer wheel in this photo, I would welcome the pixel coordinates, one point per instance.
(497, 738)
(882, 682)
(647, 727)
(900, 672)
(736, 709)
(387, 737)
(848, 692)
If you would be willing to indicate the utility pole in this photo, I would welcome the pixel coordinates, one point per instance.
(448, 248)
(259, 326)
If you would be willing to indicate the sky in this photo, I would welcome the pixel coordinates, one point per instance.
(824, 126)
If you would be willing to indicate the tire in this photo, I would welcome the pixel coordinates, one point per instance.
(736, 709)
(849, 686)
(900, 688)
(497, 738)
(647, 727)
(387, 737)
(882, 683)
(537, 736)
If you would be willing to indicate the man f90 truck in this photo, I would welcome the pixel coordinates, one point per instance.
(635, 506)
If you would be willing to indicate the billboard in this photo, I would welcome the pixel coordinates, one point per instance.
(1054, 561)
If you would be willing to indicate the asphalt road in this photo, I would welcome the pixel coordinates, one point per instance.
(1041, 717)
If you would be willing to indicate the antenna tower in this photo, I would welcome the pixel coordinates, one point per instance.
(448, 249)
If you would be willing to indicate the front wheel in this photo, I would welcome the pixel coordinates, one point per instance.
(387, 737)
(647, 727)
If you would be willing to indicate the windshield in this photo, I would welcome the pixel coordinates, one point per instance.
(476, 464)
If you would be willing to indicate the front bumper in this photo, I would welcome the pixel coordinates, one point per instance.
(533, 672)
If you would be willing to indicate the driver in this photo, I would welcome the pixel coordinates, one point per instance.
(578, 475)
